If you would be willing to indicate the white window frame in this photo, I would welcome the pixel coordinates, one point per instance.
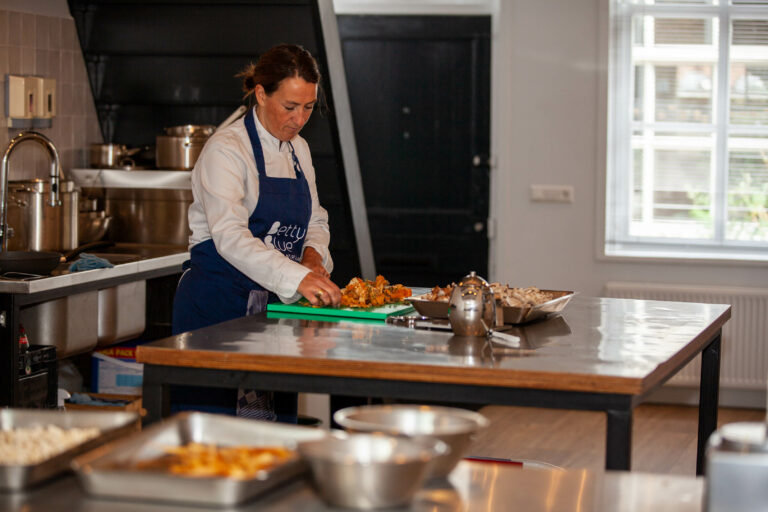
(617, 241)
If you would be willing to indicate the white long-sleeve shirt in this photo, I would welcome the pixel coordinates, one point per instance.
(225, 188)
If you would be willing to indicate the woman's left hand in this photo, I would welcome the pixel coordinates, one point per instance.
(314, 262)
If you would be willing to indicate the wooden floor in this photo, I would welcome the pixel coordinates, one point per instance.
(663, 436)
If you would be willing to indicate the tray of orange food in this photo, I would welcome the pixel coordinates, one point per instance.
(361, 298)
(197, 458)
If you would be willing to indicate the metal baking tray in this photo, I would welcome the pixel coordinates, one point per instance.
(110, 471)
(112, 425)
(430, 308)
(512, 315)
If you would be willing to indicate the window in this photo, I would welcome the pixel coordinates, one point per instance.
(688, 129)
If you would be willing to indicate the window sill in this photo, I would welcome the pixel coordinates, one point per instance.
(690, 254)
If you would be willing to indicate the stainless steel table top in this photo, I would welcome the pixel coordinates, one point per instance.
(597, 344)
(472, 486)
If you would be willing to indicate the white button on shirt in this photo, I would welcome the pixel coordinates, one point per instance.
(225, 186)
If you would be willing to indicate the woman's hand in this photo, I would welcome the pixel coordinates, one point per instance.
(314, 262)
(319, 290)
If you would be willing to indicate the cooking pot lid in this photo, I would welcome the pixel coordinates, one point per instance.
(40, 186)
(191, 130)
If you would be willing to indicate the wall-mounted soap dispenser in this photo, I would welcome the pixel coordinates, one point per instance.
(30, 101)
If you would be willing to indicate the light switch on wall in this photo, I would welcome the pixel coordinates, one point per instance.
(552, 193)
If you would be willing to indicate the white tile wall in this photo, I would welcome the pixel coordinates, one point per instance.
(32, 44)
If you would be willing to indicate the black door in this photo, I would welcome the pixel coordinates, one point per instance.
(419, 87)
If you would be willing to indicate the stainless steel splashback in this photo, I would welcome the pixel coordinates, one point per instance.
(147, 207)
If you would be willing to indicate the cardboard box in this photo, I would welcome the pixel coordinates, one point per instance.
(115, 371)
(132, 403)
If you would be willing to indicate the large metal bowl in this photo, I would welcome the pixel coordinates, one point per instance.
(92, 226)
(451, 425)
(368, 471)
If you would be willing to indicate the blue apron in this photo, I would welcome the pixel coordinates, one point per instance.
(211, 290)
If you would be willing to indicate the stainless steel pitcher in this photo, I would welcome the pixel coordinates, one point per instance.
(472, 308)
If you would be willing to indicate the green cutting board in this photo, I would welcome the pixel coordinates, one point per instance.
(377, 313)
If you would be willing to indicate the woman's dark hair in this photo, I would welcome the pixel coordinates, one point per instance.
(276, 64)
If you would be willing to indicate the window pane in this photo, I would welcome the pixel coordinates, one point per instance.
(680, 202)
(748, 195)
(674, 69)
(639, 88)
(683, 93)
(749, 94)
(683, 31)
(637, 185)
(750, 32)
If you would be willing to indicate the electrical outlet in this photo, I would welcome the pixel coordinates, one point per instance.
(552, 193)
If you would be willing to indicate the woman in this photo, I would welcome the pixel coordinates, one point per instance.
(259, 233)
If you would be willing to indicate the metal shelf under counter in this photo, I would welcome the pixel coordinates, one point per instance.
(156, 268)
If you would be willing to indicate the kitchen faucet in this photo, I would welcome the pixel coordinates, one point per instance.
(55, 177)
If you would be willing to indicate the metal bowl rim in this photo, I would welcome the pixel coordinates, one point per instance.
(437, 448)
(343, 418)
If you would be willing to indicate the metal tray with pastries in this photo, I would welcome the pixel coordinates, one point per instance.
(18, 476)
(115, 470)
(511, 314)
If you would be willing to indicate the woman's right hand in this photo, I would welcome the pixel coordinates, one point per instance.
(319, 290)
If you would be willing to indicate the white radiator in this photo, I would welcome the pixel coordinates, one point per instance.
(743, 363)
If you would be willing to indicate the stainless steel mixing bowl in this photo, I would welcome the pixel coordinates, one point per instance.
(368, 471)
(451, 425)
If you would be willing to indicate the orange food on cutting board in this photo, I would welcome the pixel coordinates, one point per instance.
(364, 293)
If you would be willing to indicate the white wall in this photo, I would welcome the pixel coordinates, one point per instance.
(549, 127)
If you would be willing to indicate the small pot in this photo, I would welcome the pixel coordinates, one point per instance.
(181, 146)
(110, 156)
(34, 225)
(191, 130)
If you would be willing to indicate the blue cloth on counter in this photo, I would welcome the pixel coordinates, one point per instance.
(84, 399)
(89, 262)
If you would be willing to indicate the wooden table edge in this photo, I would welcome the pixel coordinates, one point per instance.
(691, 350)
(512, 378)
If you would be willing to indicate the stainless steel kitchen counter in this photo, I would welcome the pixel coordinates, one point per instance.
(129, 259)
(471, 486)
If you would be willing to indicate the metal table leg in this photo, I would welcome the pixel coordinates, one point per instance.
(708, 397)
(618, 439)
(155, 394)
